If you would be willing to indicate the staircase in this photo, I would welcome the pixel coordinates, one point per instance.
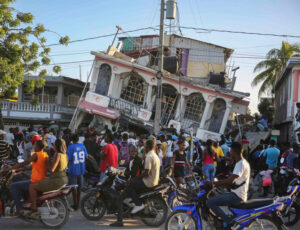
(255, 137)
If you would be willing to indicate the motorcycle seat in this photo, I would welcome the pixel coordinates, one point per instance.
(255, 203)
(62, 187)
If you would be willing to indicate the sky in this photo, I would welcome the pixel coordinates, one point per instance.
(82, 19)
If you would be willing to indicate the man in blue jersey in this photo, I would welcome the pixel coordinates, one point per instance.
(76, 153)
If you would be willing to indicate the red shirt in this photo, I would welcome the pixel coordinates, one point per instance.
(207, 159)
(111, 157)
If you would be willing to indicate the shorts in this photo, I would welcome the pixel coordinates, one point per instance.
(76, 180)
(267, 182)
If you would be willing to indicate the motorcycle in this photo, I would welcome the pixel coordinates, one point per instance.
(52, 206)
(251, 214)
(291, 213)
(103, 199)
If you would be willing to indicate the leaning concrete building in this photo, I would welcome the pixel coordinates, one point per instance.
(196, 91)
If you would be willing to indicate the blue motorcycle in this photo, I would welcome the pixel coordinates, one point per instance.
(253, 214)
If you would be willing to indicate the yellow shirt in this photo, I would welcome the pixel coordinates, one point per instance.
(164, 147)
(219, 153)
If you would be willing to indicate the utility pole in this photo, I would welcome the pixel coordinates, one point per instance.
(160, 69)
(80, 77)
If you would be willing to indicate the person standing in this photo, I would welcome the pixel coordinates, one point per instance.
(292, 158)
(5, 149)
(164, 147)
(124, 150)
(159, 151)
(140, 148)
(109, 156)
(179, 160)
(208, 167)
(9, 137)
(218, 150)
(169, 155)
(76, 167)
(272, 153)
(225, 148)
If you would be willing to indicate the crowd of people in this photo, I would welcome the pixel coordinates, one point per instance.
(63, 156)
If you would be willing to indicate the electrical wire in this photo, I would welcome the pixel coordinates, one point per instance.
(106, 35)
(241, 32)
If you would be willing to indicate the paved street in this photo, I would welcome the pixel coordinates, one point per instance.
(78, 222)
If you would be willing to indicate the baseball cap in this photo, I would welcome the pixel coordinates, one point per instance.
(35, 139)
(158, 142)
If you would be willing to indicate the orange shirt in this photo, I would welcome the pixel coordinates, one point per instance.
(39, 167)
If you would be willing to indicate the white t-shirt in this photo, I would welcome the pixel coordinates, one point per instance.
(266, 174)
(169, 149)
(242, 169)
(81, 139)
(10, 138)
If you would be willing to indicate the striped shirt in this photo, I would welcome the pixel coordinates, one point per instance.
(4, 148)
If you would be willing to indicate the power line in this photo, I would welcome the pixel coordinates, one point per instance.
(241, 32)
(71, 62)
(106, 35)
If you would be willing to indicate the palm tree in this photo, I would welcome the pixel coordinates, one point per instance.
(274, 64)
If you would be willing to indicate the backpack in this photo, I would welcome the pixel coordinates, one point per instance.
(124, 152)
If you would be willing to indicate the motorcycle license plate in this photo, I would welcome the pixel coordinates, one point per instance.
(98, 195)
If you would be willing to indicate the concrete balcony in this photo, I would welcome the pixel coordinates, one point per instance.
(27, 111)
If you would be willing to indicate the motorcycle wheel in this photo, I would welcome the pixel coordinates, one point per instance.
(156, 206)
(92, 207)
(292, 217)
(59, 213)
(266, 222)
(178, 218)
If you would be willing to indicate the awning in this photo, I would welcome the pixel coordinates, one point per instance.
(99, 110)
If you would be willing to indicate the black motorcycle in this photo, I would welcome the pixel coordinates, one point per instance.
(103, 199)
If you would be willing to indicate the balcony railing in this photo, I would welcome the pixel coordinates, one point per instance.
(125, 107)
(9, 107)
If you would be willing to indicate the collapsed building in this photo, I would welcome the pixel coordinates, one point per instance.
(196, 92)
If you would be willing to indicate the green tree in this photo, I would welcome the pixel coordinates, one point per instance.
(274, 64)
(23, 50)
(265, 107)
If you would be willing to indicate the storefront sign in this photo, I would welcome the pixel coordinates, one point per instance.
(205, 135)
(97, 99)
(144, 114)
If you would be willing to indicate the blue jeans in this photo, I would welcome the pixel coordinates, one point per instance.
(225, 199)
(17, 189)
(209, 171)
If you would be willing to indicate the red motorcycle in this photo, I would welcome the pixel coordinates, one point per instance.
(53, 206)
